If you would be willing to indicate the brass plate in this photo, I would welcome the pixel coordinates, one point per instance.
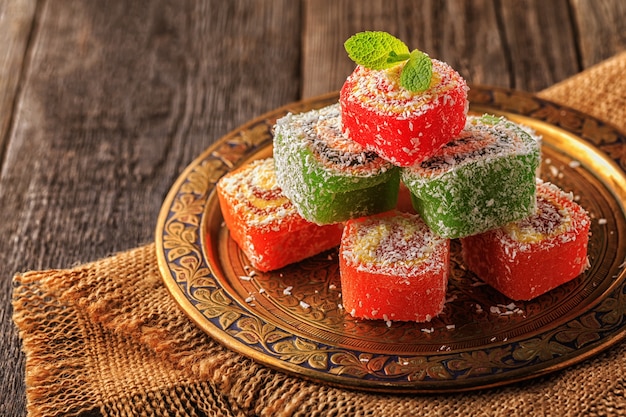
(290, 319)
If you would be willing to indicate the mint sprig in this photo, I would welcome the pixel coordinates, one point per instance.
(380, 50)
(417, 72)
(376, 50)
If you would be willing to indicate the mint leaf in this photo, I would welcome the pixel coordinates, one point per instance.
(394, 58)
(417, 72)
(376, 50)
(380, 50)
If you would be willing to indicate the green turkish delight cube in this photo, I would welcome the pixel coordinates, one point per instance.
(328, 177)
(482, 180)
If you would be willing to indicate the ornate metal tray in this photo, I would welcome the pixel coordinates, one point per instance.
(290, 319)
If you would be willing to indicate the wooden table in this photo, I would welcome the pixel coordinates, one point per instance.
(103, 104)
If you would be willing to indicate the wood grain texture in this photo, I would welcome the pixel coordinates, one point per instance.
(118, 99)
(528, 45)
(103, 104)
(16, 22)
(541, 42)
(471, 44)
(601, 26)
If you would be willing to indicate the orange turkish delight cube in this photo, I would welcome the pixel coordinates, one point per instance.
(530, 257)
(264, 223)
(393, 268)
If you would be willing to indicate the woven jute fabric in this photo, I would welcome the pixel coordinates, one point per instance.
(598, 91)
(106, 338)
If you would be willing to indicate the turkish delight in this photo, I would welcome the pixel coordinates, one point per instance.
(328, 177)
(264, 223)
(530, 257)
(482, 180)
(392, 267)
(401, 126)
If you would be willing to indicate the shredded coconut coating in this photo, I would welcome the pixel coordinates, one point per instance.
(393, 268)
(328, 177)
(380, 90)
(484, 138)
(264, 223)
(556, 221)
(401, 126)
(482, 180)
(320, 133)
(255, 196)
(530, 257)
(400, 245)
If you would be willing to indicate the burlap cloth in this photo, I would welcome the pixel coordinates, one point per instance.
(107, 338)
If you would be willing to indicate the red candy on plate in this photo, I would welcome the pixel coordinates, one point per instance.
(264, 223)
(401, 126)
(530, 257)
(393, 268)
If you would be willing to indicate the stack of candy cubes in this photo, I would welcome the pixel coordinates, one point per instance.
(334, 180)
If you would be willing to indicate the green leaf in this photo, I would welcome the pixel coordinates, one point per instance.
(394, 58)
(417, 72)
(376, 50)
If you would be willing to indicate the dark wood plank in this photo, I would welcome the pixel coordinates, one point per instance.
(540, 42)
(327, 25)
(16, 22)
(601, 26)
(118, 98)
